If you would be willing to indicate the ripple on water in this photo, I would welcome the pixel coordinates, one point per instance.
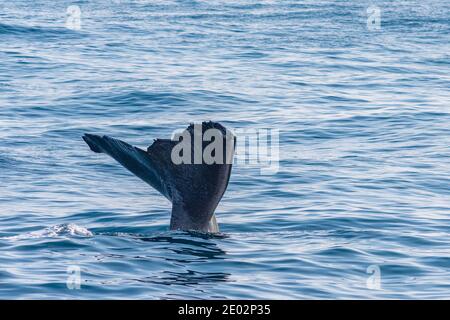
(364, 135)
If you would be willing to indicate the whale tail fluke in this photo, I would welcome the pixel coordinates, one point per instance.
(94, 142)
(194, 189)
(134, 159)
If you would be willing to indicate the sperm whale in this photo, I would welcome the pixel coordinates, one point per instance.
(193, 187)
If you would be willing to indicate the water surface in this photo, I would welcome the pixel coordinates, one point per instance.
(364, 145)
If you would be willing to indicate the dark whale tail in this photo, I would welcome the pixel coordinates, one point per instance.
(194, 187)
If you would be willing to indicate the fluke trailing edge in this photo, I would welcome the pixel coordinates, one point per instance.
(192, 171)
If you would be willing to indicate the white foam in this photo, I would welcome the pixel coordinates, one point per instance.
(54, 232)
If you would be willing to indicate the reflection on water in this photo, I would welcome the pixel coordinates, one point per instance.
(189, 247)
(364, 135)
(186, 278)
(183, 248)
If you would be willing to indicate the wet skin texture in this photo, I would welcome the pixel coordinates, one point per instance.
(194, 189)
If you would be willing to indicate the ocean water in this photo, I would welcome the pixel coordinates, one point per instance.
(359, 207)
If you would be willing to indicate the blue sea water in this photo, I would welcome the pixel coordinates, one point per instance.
(360, 206)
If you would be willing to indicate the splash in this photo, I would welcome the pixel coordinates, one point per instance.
(54, 232)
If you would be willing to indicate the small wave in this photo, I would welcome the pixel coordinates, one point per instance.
(3, 160)
(7, 162)
(38, 32)
(15, 29)
(54, 231)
